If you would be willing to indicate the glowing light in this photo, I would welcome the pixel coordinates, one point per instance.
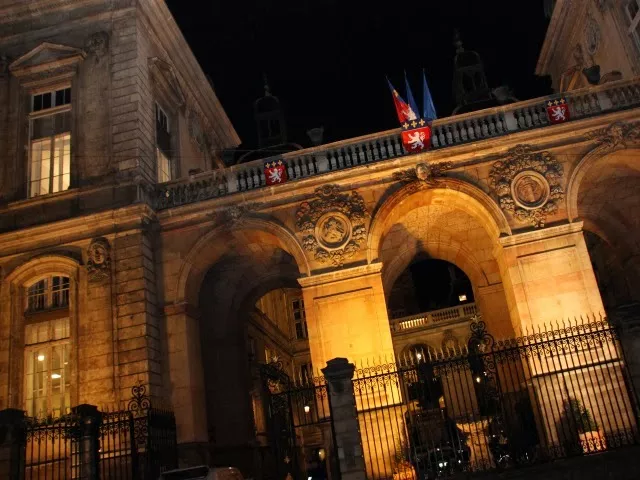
(322, 454)
(307, 408)
(462, 297)
(41, 358)
(55, 376)
(478, 379)
(419, 356)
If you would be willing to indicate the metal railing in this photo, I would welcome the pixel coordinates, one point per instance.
(497, 405)
(427, 319)
(447, 132)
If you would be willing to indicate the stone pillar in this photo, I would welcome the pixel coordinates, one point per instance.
(548, 277)
(12, 444)
(187, 383)
(628, 318)
(347, 316)
(339, 375)
(89, 443)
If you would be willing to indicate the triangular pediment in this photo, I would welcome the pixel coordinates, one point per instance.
(45, 57)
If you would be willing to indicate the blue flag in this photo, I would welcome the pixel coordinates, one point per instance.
(428, 110)
(410, 100)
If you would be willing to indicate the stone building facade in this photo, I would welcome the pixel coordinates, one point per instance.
(129, 254)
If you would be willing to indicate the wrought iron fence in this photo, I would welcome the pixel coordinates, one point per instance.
(497, 405)
(135, 443)
(300, 427)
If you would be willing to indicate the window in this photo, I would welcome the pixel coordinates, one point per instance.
(299, 318)
(632, 9)
(50, 142)
(47, 348)
(163, 146)
(305, 373)
(48, 293)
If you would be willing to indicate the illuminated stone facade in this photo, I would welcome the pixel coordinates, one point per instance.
(185, 285)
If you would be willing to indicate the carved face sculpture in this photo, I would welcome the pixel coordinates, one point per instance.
(98, 254)
(422, 171)
(333, 230)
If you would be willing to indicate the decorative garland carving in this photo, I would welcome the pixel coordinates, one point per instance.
(234, 213)
(527, 184)
(333, 225)
(99, 260)
(616, 135)
(423, 175)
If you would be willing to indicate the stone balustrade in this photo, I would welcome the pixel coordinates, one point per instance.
(447, 132)
(428, 319)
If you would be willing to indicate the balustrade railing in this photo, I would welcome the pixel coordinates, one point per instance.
(427, 319)
(447, 132)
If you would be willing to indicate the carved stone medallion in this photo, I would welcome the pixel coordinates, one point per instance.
(527, 184)
(99, 260)
(333, 225)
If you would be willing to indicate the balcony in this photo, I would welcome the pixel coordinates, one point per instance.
(433, 318)
(447, 132)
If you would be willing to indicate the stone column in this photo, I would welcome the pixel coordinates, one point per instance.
(339, 375)
(12, 444)
(187, 383)
(88, 453)
(347, 316)
(548, 277)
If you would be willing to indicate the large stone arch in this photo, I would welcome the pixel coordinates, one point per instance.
(214, 244)
(455, 222)
(465, 195)
(44, 264)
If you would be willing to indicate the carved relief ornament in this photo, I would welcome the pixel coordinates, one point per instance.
(98, 45)
(527, 184)
(616, 135)
(423, 175)
(99, 260)
(333, 225)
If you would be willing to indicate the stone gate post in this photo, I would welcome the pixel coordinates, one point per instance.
(12, 443)
(88, 447)
(344, 417)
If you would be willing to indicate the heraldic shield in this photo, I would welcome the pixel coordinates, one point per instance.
(275, 172)
(417, 139)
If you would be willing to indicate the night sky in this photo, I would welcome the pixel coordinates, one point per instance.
(326, 60)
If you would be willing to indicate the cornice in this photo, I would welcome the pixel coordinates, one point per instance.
(340, 275)
(540, 235)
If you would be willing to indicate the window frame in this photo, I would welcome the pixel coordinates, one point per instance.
(302, 321)
(50, 314)
(49, 112)
(633, 22)
(162, 175)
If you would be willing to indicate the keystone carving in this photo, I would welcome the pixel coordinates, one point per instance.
(616, 135)
(333, 225)
(99, 260)
(527, 184)
(423, 175)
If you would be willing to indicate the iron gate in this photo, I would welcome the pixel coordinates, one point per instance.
(299, 425)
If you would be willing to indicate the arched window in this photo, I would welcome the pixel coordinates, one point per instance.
(47, 336)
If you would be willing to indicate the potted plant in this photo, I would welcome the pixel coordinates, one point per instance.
(402, 467)
(591, 438)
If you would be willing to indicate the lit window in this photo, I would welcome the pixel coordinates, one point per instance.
(632, 9)
(299, 318)
(163, 146)
(50, 142)
(47, 372)
(50, 292)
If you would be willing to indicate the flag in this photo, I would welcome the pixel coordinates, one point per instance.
(558, 111)
(405, 114)
(410, 100)
(417, 139)
(275, 172)
(428, 110)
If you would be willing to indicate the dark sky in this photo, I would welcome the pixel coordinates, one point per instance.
(326, 60)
